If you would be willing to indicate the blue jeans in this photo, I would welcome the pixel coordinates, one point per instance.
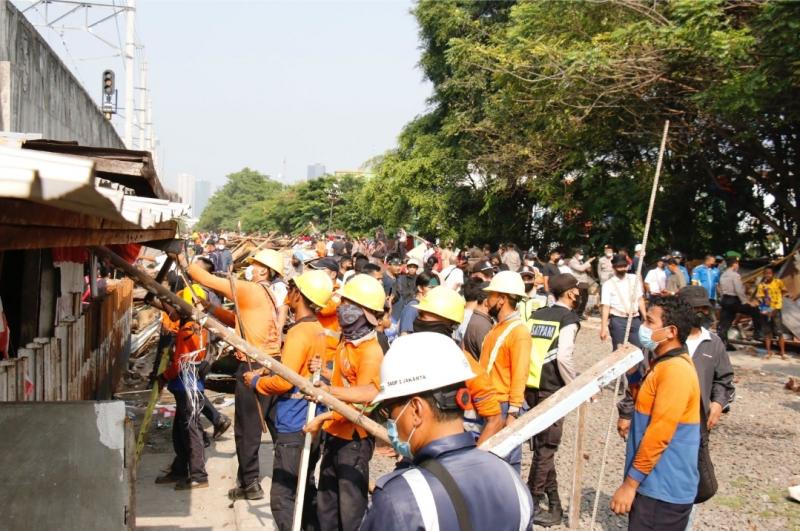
(616, 329)
(515, 457)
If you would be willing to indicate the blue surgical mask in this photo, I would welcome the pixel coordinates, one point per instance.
(646, 338)
(401, 447)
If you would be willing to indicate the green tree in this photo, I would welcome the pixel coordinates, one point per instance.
(229, 204)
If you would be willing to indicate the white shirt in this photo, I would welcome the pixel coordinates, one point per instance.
(656, 279)
(616, 293)
(693, 343)
(452, 277)
(280, 290)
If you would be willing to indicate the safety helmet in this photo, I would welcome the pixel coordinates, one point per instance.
(508, 282)
(365, 291)
(269, 258)
(444, 302)
(316, 286)
(199, 293)
(421, 362)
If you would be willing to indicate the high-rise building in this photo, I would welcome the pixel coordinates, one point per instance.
(315, 170)
(185, 189)
(202, 193)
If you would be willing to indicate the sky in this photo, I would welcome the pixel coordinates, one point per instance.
(238, 84)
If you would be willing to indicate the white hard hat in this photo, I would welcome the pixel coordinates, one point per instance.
(508, 282)
(421, 362)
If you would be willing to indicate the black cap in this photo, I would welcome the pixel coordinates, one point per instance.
(395, 260)
(483, 265)
(527, 271)
(694, 296)
(562, 282)
(619, 260)
(325, 263)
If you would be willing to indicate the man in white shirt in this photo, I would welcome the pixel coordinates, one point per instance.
(656, 280)
(451, 276)
(621, 297)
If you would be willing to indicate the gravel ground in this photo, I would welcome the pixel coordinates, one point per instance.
(755, 449)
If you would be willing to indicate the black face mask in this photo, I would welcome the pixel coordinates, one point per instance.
(702, 319)
(494, 311)
(529, 286)
(352, 321)
(439, 327)
(620, 274)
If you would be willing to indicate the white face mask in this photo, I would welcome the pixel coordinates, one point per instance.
(248, 273)
(220, 246)
(609, 254)
(560, 262)
(579, 257)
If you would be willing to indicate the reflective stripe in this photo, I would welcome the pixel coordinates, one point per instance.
(424, 498)
(550, 356)
(332, 333)
(499, 343)
(522, 496)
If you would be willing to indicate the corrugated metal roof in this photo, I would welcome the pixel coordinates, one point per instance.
(69, 183)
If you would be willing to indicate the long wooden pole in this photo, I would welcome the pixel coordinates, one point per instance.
(302, 474)
(577, 469)
(256, 354)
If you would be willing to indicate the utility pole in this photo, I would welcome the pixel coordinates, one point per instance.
(143, 108)
(130, 75)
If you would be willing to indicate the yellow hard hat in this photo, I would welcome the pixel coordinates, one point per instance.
(366, 291)
(316, 286)
(269, 258)
(444, 302)
(199, 293)
(508, 282)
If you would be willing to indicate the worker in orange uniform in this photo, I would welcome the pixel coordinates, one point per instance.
(506, 351)
(188, 469)
(327, 315)
(441, 310)
(259, 313)
(305, 339)
(347, 448)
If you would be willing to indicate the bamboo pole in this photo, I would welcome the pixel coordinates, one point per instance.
(256, 354)
(577, 469)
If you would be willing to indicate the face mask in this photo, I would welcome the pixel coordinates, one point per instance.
(401, 447)
(528, 286)
(494, 311)
(220, 246)
(248, 273)
(353, 322)
(703, 319)
(620, 274)
(646, 338)
(609, 254)
(440, 327)
(579, 257)
(560, 262)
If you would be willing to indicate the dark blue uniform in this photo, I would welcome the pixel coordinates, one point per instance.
(412, 499)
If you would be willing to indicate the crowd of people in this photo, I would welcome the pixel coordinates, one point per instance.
(447, 347)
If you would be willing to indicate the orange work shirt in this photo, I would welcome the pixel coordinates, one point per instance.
(333, 332)
(510, 371)
(481, 391)
(304, 340)
(256, 307)
(354, 365)
(187, 341)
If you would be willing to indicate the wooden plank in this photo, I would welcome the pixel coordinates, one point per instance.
(28, 372)
(30, 296)
(3, 381)
(577, 469)
(11, 367)
(566, 399)
(38, 237)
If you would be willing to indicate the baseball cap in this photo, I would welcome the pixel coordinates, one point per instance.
(527, 271)
(413, 262)
(638, 247)
(562, 282)
(482, 266)
(325, 263)
(619, 260)
(395, 261)
(694, 296)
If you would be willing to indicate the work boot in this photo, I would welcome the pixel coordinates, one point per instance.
(186, 484)
(251, 492)
(169, 477)
(221, 427)
(553, 515)
(538, 504)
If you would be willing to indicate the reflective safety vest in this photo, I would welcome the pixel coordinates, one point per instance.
(546, 325)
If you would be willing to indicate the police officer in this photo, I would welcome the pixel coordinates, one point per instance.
(449, 484)
(553, 332)
(734, 300)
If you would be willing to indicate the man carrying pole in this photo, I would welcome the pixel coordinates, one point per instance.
(256, 306)
(304, 340)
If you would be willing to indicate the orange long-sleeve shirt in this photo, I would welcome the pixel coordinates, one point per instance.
(510, 371)
(304, 340)
(187, 341)
(333, 332)
(481, 390)
(256, 308)
(354, 365)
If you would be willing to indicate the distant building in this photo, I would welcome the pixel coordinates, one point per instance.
(186, 189)
(315, 170)
(202, 193)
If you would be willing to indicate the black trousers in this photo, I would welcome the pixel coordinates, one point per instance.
(343, 483)
(285, 469)
(616, 329)
(583, 288)
(542, 477)
(209, 411)
(656, 515)
(729, 307)
(187, 440)
(247, 427)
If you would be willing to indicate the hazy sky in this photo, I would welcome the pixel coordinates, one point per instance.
(239, 84)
